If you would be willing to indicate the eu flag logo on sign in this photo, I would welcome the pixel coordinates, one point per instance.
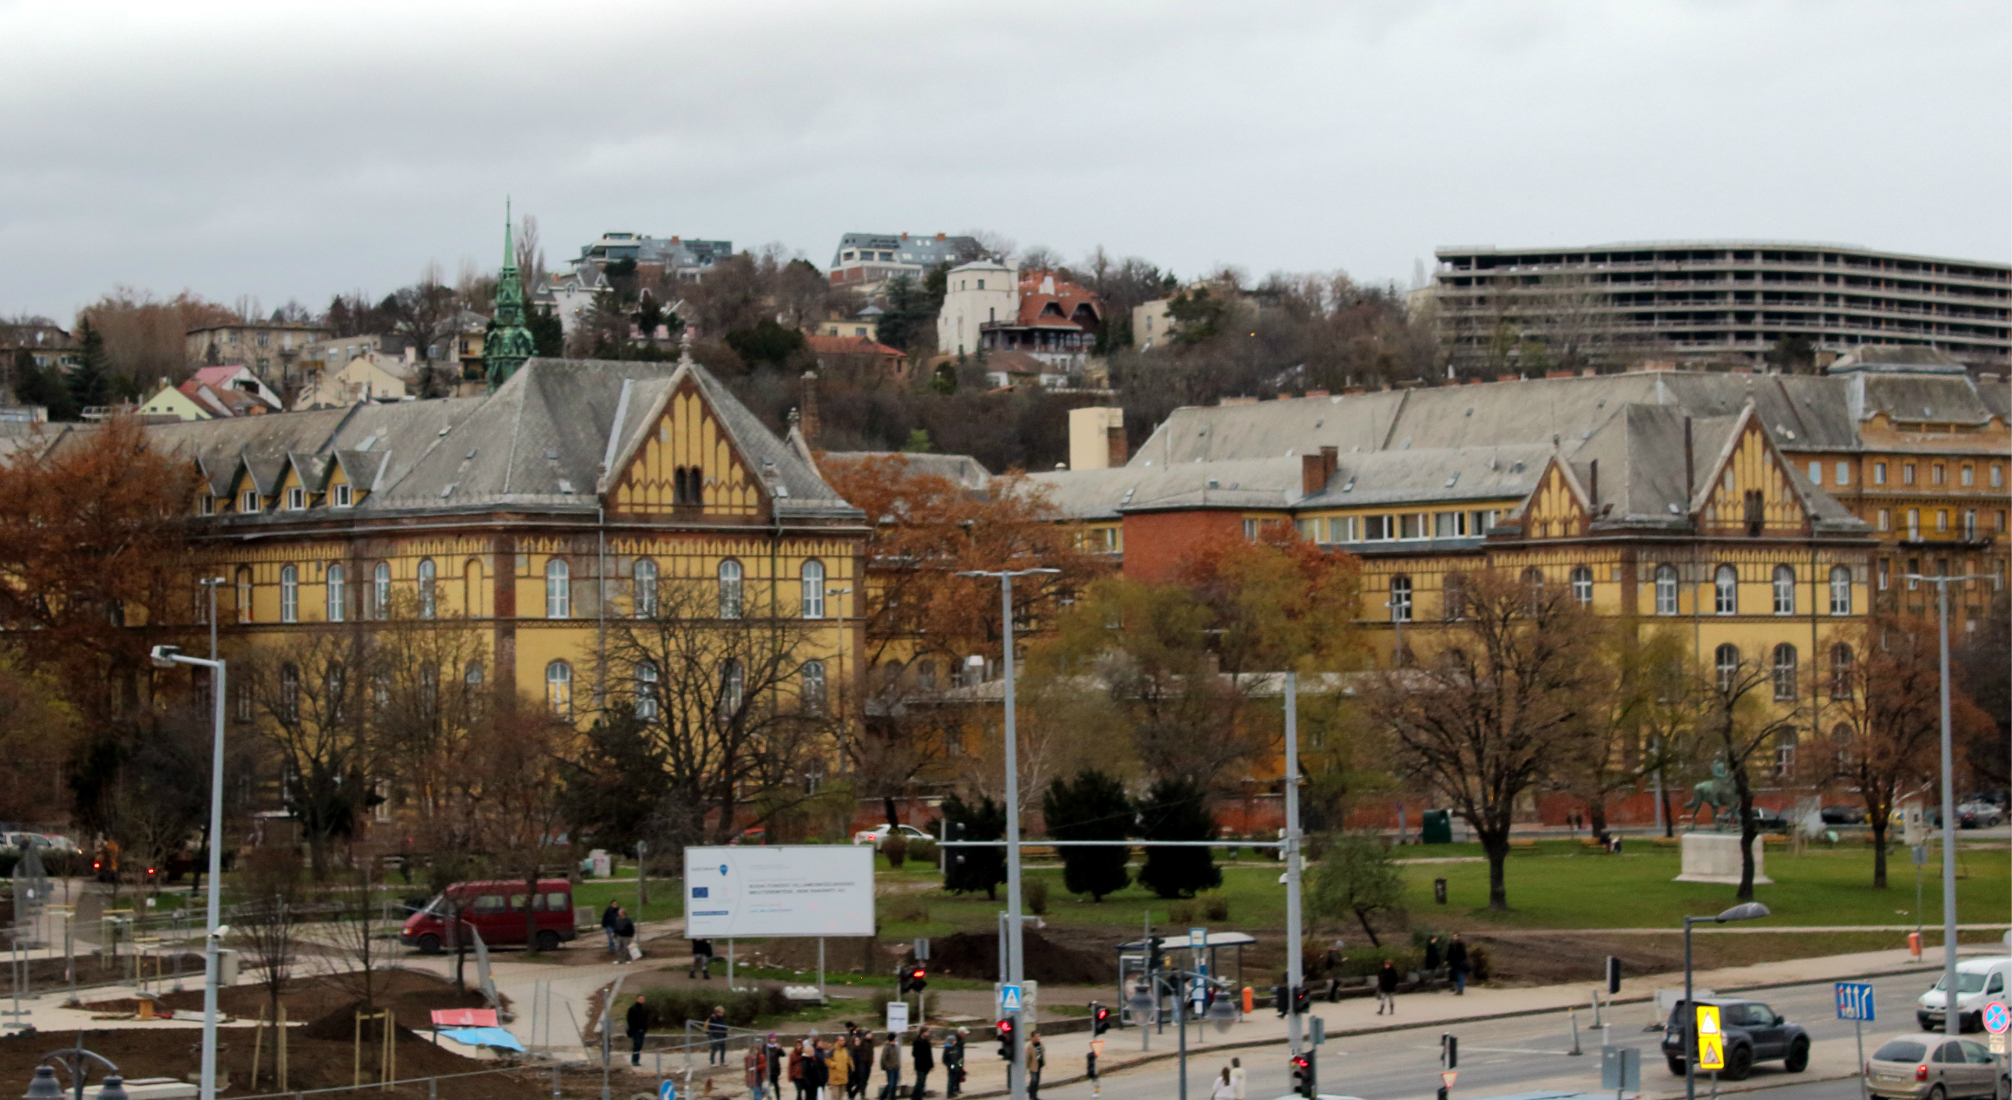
(698, 891)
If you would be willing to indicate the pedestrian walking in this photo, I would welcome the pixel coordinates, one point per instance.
(1432, 955)
(1332, 962)
(862, 1064)
(1456, 964)
(772, 1054)
(953, 1062)
(1386, 988)
(890, 1064)
(625, 936)
(816, 1071)
(716, 1036)
(1224, 1090)
(1237, 1077)
(638, 1021)
(754, 1065)
(923, 1054)
(796, 1069)
(608, 917)
(838, 1067)
(1037, 1060)
(702, 960)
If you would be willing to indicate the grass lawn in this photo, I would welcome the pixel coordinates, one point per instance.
(667, 896)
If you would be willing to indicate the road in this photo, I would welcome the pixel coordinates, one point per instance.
(1505, 1056)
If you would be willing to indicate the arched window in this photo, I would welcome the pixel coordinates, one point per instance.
(1784, 671)
(429, 593)
(337, 594)
(1400, 599)
(429, 690)
(733, 684)
(1784, 590)
(813, 687)
(244, 578)
(558, 589)
(289, 594)
(1726, 662)
(471, 588)
(646, 690)
(334, 690)
(1453, 597)
(1841, 659)
(1666, 589)
(1582, 585)
(380, 590)
(730, 590)
(289, 692)
(813, 590)
(473, 677)
(644, 596)
(1840, 590)
(559, 688)
(1725, 591)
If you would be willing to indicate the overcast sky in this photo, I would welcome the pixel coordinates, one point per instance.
(295, 149)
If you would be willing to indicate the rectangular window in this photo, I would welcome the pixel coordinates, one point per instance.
(1913, 571)
(1938, 474)
(1914, 524)
(1970, 524)
(1251, 529)
(1816, 473)
(1968, 476)
(1997, 477)
(1879, 473)
(1449, 525)
(1479, 522)
(1942, 519)
(208, 505)
(1885, 520)
(1409, 527)
(1907, 473)
(1843, 473)
(249, 501)
(342, 497)
(296, 499)
(1375, 528)
(1885, 573)
(1307, 529)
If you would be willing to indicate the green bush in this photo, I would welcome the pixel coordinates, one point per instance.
(1034, 892)
(1184, 913)
(922, 851)
(670, 1008)
(1215, 905)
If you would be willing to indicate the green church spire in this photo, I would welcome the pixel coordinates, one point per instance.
(507, 343)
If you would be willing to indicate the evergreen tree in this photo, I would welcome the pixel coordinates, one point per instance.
(1177, 809)
(43, 386)
(970, 869)
(767, 342)
(90, 382)
(613, 792)
(548, 333)
(1091, 807)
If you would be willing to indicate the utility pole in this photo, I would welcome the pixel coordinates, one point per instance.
(1016, 1073)
(1952, 1016)
(1294, 963)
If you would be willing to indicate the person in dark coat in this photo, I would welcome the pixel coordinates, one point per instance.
(953, 1061)
(1432, 959)
(1456, 964)
(1386, 988)
(772, 1053)
(608, 917)
(1037, 1060)
(638, 1021)
(923, 1053)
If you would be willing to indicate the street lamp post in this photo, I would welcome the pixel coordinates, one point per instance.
(1689, 1021)
(1016, 1073)
(167, 656)
(1952, 1016)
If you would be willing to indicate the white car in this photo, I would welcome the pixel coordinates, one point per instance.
(878, 833)
(1978, 983)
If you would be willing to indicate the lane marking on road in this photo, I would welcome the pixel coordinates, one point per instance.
(1519, 1050)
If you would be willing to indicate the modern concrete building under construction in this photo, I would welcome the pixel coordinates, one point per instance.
(1696, 300)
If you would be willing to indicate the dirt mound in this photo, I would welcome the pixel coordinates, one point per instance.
(414, 994)
(340, 1025)
(965, 955)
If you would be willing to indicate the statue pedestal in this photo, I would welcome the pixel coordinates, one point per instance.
(1715, 857)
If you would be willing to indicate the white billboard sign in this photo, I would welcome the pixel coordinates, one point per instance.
(786, 890)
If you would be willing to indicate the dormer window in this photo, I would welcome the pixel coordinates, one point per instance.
(296, 499)
(249, 501)
(207, 506)
(343, 499)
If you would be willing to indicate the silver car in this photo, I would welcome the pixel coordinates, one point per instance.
(1931, 1067)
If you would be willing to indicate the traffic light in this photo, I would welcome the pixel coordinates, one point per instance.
(1155, 958)
(1008, 1041)
(1302, 1000)
(1302, 1075)
(1100, 1019)
(1613, 975)
(914, 979)
(1280, 1001)
(1449, 1051)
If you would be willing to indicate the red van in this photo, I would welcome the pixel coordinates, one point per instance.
(496, 910)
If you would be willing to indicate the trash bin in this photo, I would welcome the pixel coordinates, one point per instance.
(1438, 827)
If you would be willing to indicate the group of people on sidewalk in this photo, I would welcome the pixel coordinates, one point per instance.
(1229, 1085)
(842, 1066)
(621, 930)
(1453, 957)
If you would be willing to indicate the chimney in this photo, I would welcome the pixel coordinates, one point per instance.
(807, 419)
(1316, 393)
(1114, 437)
(1312, 475)
(941, 236)
(1330, 459)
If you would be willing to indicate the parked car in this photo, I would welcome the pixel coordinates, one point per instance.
(1978, 982)
(1979, 814)
(1844, 815)
(878, 833)
(1903, 1067)
(1753, 1033)
(496, 911)
(56, 842)
(1769, 821)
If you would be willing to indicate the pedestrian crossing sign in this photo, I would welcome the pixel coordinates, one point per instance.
(1009, 998)
(1711, 1042)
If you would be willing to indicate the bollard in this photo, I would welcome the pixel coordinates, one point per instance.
(1574, 1014)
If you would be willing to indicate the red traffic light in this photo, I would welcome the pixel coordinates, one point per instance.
(1005, 1027)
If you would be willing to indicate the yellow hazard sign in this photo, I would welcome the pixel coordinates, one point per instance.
(1711, 1042)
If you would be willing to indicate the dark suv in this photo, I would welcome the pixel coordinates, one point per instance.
(1753, 1033)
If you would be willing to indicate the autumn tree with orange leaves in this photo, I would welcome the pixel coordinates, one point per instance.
(921, 619)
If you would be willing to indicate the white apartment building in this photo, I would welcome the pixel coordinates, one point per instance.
(976, 294)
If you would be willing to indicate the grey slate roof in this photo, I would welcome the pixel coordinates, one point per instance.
(962, 469)
(537, 444)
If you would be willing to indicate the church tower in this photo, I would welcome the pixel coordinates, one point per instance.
(507, 343)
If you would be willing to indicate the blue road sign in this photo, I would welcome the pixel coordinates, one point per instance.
(1854, 1001)
(1009, 998)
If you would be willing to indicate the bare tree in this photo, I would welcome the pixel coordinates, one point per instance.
(1738, 724)
(310, 697)
(267, 924)
(1489, 712)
